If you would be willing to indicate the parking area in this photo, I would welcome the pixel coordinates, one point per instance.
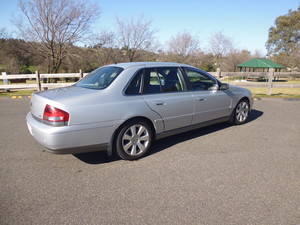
(221, 174)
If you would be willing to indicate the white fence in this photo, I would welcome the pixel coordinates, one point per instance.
(37, 77)
(256, 74)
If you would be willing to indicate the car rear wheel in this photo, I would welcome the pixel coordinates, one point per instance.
(133, 140)
(240, 113)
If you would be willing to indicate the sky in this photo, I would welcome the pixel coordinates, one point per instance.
(246, 22)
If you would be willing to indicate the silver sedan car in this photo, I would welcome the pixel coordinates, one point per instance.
(123, 108)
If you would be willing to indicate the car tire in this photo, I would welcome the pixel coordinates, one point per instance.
(241, 112)
(133, 140)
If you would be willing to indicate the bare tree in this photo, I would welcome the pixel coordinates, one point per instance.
(106, 39)
(220, 46)
(234, 58)
(135, 36)
(183, 47)
(56, 25)
(105, 43)
(3, 33)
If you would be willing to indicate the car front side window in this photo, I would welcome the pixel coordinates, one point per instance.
(199, 81)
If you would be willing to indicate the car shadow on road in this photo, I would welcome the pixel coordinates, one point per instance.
(255, 114)
(102, 157)
(96, 157)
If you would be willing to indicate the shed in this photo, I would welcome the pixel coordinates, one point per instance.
(259, 63)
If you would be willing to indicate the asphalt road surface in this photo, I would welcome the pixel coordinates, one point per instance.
(222, 174)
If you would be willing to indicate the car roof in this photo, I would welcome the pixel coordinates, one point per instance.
(148, 64)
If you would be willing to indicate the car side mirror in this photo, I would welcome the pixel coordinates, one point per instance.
(214, 88)
(224, 86)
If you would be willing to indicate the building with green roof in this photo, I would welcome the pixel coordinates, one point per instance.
(259, 63)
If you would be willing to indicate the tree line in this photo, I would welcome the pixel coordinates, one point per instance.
(50, 31)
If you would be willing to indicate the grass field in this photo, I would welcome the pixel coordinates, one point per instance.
(276, 92)
(16, 93)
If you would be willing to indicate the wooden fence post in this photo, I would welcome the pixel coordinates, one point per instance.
(270, 81)
(218, 73)
(5, 81)
(38, 80)
(81, 73)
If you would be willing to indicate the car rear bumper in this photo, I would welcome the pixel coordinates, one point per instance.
(77, 150)
(70, 139)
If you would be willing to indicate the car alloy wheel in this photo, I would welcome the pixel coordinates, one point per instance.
(241, 112)
(134, 140)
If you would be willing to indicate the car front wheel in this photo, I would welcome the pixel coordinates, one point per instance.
(133, 140)
(241, 112)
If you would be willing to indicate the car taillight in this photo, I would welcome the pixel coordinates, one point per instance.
(55, 117)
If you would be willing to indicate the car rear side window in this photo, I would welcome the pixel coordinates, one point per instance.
(135, 86)
(100, 78)
(163, 80)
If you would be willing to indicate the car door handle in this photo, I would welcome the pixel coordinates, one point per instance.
(160, 103)
(201, 99)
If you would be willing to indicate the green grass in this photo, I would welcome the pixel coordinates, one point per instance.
(276, 92)
(3, 93)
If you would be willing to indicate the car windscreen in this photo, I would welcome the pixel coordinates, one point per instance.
(100, 78)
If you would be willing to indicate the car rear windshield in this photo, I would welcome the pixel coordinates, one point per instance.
(100, 78)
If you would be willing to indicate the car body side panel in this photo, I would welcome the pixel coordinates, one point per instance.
(238, 93)
(175, 109)
(211, 105)
(118, 109)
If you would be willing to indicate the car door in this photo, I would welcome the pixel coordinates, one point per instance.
(165, 92)
(210, 102)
